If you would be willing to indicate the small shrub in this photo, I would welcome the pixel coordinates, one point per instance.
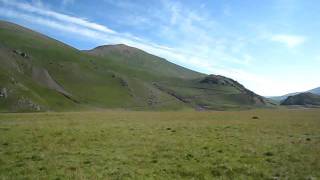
(42, 168)
(87, 162)
(268, 154)
(189, 156)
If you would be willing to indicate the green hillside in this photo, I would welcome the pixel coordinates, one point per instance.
(142, 61)
(303, 99)
(38, 73)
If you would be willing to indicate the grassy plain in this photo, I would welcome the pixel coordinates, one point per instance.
(280, 144)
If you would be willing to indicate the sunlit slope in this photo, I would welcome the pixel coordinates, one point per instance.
(38, 73)
(197, 90)
(140, 60)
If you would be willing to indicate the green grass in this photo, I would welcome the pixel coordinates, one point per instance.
(281, 144)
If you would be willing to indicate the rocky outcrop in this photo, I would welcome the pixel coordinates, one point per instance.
(221, 80)
(26, 104)
(3, 93)
(224, 81)
(216, 79)
(22, 54)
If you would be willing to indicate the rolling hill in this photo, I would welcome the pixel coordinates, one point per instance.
(303, 99)
(38, 73)
(282, 98)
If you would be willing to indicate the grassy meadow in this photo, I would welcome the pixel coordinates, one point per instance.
(276, 144)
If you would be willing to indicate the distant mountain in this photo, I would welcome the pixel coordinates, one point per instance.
(38, 73)
(281, 98)
(315, 91)
(302, 99)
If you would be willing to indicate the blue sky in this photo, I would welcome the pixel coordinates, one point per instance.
(270, 46)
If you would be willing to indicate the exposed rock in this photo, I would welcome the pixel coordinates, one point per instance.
(221, 80)
(3, 93)
(22, 54)
(216, 79)
(27, 104)
(152, 99)
(123, 82)
(42, 76)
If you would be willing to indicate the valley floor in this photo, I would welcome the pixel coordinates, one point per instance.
(255, 144)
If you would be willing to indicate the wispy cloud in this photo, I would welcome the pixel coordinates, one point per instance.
(48, 23)
(59, 16)
(289, 40)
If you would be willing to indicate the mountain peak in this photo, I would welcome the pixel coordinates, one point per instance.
(120, 48)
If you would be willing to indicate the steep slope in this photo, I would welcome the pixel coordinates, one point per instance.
(38, 73)
(43, 71)
(302, 99)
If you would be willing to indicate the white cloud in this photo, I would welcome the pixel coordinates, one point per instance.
(48, 23)
(52, 14)
(289, 40)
